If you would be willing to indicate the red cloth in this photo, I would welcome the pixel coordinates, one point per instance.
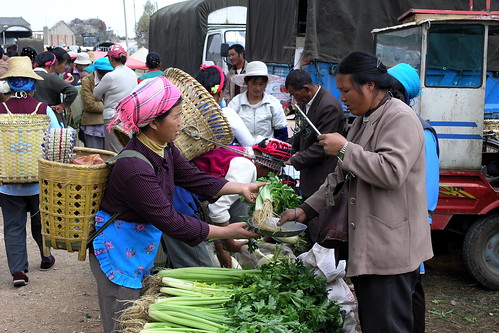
(217, 161)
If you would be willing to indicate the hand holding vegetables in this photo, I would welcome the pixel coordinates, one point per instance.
(248, 191)
(273, 199)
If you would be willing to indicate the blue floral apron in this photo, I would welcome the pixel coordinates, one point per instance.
(125, 250)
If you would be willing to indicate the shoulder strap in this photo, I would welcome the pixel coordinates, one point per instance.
(37, 106)
(129, 153)
(6, 108)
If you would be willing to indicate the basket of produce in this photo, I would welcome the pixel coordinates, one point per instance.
(70, 196)
(21, 136)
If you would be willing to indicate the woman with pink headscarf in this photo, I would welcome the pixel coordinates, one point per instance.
(142, 191)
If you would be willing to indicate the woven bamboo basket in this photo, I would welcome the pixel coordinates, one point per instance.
(205, 126)
(21, 136)
(70, 196)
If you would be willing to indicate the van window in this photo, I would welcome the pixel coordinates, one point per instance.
(455, 55)
(213, 49)
(235, 37)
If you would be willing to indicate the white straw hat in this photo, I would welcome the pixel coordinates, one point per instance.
(254, 68)
(83, 58)
(20, 67)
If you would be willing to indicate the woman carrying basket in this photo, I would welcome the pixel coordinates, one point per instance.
(18, 199)
(124, 252)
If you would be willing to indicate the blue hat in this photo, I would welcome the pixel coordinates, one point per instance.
(101, 64)
(408, 76)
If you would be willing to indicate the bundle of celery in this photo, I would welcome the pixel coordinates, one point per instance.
(272, 200)
(280, 297)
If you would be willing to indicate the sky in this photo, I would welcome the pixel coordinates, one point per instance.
(47, 13)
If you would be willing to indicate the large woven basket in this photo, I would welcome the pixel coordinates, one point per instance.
(205, 126)
(70, 196)
(21, 137)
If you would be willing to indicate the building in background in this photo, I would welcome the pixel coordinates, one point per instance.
(59, 35)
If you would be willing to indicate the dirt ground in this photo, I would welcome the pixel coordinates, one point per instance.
(64, 299)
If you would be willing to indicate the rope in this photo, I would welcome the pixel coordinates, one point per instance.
(194, 133)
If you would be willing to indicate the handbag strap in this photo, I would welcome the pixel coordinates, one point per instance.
(104, 226)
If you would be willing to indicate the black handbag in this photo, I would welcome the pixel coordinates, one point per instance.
(330, 226)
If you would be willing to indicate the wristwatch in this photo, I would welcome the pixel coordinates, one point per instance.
(341, 153)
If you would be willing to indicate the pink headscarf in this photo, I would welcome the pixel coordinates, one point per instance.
(147, 101)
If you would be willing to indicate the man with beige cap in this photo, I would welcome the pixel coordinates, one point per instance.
(18, 199)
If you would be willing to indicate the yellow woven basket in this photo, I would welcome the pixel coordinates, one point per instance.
(205, 126)
(70, 196)
(21, 136)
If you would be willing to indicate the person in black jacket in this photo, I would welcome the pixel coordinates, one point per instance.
(326, 113)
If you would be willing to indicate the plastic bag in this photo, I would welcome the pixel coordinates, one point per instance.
(91, 159)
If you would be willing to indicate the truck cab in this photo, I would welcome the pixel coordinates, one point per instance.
(455, 53)
(216, 37)
(226, 26)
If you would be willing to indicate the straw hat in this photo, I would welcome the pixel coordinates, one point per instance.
(254, 68)
(20, 67)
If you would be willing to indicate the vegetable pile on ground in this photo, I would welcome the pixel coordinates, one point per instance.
(272, 200)
(283, 296)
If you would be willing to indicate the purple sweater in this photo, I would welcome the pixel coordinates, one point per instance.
(146, 196)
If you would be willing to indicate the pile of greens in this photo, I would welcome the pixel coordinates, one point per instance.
(280, 297)
(285, 297)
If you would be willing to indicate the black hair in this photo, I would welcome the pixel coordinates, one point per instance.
(297, 78)
(12, 53)
(249, 78)
(122, 59)
(153, 60)
(397, 90)
(162, 116)
(43, 58)
(30, 52)
(1, 52)
(238, 48)
(364, 67)
(61, 55)
(210, 77)
(102, 72)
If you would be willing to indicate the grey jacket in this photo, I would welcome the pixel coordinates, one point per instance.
(387, 211)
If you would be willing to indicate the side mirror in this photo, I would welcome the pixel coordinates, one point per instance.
(224, 50)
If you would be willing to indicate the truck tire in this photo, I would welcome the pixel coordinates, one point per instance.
(481, 251)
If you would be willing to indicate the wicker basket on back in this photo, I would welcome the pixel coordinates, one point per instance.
(21, 137)
(205, 126)
(70, 196)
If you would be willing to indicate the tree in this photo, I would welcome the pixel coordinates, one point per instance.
(142, 27)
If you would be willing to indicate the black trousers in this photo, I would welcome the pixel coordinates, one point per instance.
(418, 307)
(385, 302)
